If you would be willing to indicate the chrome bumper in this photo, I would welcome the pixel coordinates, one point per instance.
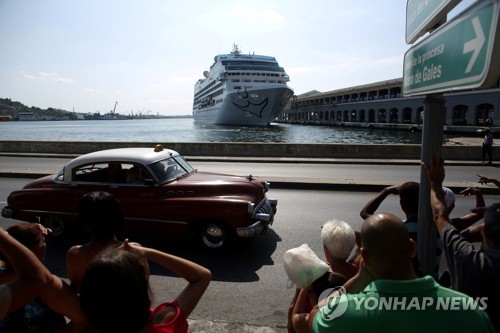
(252, 230)
(265, 210)
(7, 212)
(264, 214)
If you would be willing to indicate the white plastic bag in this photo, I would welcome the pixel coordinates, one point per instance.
(303, 266)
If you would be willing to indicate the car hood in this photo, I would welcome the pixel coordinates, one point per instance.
(40, 182)
(219, 178)
(216, 184)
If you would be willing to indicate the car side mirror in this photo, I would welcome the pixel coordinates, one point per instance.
(149, 182)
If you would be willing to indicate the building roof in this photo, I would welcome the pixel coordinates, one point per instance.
(365, 87)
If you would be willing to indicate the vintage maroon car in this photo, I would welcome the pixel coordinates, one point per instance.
(160, 193)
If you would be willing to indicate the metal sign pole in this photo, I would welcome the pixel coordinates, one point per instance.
(432, 143)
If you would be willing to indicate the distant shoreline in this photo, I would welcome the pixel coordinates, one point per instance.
(136, 117)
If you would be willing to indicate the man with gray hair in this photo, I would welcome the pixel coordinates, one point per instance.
(339, 240)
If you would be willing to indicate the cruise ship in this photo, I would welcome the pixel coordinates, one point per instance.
(241, 89)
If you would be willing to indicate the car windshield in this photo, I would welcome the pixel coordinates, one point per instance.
(171, 168)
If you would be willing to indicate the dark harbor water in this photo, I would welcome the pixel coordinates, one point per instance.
(185, 130)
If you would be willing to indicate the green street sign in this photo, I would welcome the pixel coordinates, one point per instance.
(423, 15)
(462, 54)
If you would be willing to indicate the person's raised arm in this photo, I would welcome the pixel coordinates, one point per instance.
(61, 298)
(32, 274)
(358, 282)
(198, 276)
(299, 316)
(476, 214)
(473, 234)
(486, 180)
(435, 174)
(372, 205)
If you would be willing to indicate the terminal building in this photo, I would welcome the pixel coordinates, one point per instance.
(381, 105)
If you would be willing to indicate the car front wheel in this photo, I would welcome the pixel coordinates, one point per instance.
(56, 224)
(213, 235)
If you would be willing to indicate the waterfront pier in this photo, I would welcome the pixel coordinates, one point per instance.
(381, 105)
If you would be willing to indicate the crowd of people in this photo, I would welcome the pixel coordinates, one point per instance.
(373, 282)
(388, 291)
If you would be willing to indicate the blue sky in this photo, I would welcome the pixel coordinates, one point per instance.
(147, 54)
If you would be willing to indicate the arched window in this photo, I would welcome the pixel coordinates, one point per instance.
(393, 115)
(381, 116)
(460, 115)
(353, 115)
(420, 115)
(371, 116)
(483, 112)
(407, 116)
(362, 115)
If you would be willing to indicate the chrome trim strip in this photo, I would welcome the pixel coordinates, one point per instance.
(156, 221)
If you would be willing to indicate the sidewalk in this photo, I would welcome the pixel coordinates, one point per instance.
(205, 326)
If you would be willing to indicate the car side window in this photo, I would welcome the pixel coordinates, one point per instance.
(134, 173)
(91, 173)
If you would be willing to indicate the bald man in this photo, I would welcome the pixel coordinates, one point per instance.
(397, 299)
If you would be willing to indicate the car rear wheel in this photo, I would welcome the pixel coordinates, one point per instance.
(214, 235)
(56, 224)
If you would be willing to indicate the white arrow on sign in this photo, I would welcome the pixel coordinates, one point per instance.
(475, 44)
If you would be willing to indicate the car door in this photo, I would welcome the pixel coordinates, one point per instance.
(85, 178)
(142, 202)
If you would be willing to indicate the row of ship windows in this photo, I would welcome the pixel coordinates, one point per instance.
(260, 81)
(206, 100)
(250, 63)
(254, 74)
(255, 69)
(209, 88)
(246, 56)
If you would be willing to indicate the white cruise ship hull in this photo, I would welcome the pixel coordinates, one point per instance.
(257, 107)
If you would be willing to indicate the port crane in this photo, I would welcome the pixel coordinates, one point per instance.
(114, 109)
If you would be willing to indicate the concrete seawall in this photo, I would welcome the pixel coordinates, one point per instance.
(457, 151)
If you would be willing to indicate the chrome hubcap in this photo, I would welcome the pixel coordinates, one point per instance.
(213, 236)
(56, 225)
